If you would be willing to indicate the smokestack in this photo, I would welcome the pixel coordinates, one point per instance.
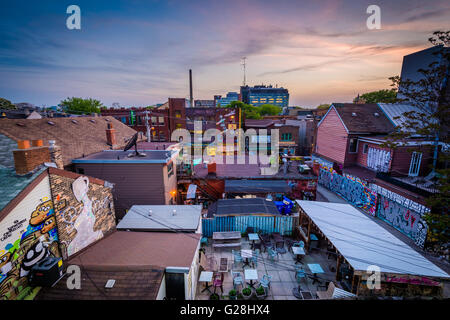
(190, 88)
(27, 158)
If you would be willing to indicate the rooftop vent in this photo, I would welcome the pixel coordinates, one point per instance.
(353, 114)
(150, 212)
(74, 121)
(51, 123)
(376, 114)
(174, 212)
(92, 120)
(20, 124)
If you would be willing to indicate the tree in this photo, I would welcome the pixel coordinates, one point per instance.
(428, 94)
(380, 96)
(248, 110)
(323, 106)
(269, 110)
(81, 106)
(6, 104)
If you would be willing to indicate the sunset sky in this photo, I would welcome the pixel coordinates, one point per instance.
(139, 52)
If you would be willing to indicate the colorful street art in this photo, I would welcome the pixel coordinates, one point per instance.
(26, 239)
(84, 214)
(350, 188)
(403, 219)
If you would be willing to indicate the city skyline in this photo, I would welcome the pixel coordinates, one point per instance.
(137, 53)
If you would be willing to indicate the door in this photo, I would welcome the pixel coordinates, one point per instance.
(414, 167)
(175, 286)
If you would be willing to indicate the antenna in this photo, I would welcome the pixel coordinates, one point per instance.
(244, 64)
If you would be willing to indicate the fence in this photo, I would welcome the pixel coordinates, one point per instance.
(265, 224)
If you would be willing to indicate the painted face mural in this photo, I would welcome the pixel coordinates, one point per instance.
(36, 253)
(41, 213)
(49, 224)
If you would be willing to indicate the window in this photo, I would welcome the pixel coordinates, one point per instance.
(170, 169)
(161, 120)
(414, 167)
(286, 136)
(124, 120)
(177, 114)
(353, 145)
(365, 148)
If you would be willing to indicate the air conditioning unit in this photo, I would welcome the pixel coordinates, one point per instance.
(46, 273)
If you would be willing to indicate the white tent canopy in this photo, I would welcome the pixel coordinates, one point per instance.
(363, 242)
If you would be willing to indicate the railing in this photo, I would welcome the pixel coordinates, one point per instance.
(386, 177)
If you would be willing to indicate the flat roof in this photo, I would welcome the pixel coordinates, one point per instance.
(363, 242)
(187, 218)
(117, 156)
(140, 249)
(225, 207)
(256, 186)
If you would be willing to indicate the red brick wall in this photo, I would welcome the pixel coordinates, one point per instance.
(332, 138)
(402, 160)
(362, 157)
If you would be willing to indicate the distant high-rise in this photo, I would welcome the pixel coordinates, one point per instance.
(259, 95)
(224, 101)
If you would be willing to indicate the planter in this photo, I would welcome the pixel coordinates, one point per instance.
(214, 296)
(232, 295)
(260, 293)
(246, 294)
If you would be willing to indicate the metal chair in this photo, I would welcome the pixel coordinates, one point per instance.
(218, 282)
(237, 279)
(272, 253)
(255, 258)
(299, 273)
(265, 282)
(236, 257)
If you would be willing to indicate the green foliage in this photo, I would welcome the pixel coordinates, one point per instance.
(214, 296)
(6, 104)
(269, 110)
(232, 293)
(246, 291)
(430, 121)
(252, 112)
(260, 291)
(323, 106)
(81, 106)
(380, 96)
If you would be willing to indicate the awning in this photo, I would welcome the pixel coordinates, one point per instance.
(256, 186)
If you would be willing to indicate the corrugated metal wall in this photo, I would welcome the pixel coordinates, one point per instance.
(265, 224)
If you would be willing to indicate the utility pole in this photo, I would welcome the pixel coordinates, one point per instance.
(244, 64)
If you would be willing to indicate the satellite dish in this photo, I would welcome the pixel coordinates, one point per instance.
(133, 142)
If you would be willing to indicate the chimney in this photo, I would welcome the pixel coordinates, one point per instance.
(56, 154)
(191, 98)
(110, 135)
(27, 158)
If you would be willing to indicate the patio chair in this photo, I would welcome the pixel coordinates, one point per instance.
(265, 242)
(237, 279)
(218, 282)
(257, 246)
(271, 253)
(255, 258)
(327, 295)
(265, 282)
(236, 257)
(299, 273)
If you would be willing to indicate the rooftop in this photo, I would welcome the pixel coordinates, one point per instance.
(124, 249)
(117, 156)
(187, 218)
(11, 184)
(250, 206)
(76, 136)
(363, 118)
(130, 284)
(256, 186)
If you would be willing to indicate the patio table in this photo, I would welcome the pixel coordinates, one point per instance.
(253, 237)
(251, 274)
(299, 252)
(315, 269)
(246, 255)
(206, 277)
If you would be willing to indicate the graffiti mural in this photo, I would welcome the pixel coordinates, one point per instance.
(27, 235)
(403, 219)
(351, 189)
(85, 212)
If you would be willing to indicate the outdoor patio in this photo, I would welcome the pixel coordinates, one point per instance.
(282, 271)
